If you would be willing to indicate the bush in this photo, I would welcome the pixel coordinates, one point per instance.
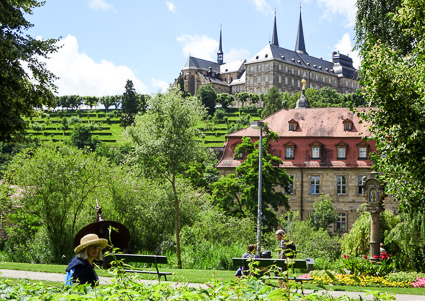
(74, 120)
(313, 243)
(363, 266)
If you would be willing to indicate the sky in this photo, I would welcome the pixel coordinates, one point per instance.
(106, 42)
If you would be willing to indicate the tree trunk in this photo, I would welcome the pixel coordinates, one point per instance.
(176, 199)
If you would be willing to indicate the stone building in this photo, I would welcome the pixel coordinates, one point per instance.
(272, 66)
(323, 151)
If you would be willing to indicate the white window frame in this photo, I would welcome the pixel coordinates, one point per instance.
(362, 152)
(315, 152)
(314, 184)
(342, 152)
(341, 222)
(289, 152)
(341, 185)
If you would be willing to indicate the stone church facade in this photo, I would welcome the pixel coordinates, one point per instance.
(272, 66)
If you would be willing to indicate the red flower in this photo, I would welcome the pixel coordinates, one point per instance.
(345, 256)
(376, 256)
(365, 257)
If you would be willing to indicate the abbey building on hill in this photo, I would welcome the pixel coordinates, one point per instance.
(272, 66)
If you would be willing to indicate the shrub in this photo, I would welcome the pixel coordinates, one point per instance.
(74, 120)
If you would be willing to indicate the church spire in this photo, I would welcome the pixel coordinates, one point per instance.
(300, 45)
(275, 40)
(220, 51)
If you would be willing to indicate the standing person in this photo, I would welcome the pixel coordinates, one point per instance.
(281, 244)
(80, 269)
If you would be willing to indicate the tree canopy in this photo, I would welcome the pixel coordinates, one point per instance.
(237, 193)
(272, 103)
(130, 104)
(393, 68)
(208, 97)
(164, 140)
(26, 84)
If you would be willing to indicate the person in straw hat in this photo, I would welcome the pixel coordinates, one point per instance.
(80, 269)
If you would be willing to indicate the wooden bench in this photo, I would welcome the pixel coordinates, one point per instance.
(282, 264)
(153, 259)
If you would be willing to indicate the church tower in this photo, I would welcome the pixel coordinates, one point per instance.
(275, 40)
(220, 52)
(300, 45)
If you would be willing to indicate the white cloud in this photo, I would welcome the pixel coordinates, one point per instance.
(171, 7)
(201, 47)
(262, 5)
(346, 47)
(236, 54)
(345, 7)
(100, 5)
(160, 84)
(81, 75)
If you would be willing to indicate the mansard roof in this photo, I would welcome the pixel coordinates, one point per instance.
(340, 67)
(313, 122)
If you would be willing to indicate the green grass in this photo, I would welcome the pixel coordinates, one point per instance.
(200, 276)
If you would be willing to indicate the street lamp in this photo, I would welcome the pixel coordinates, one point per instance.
(259, 125)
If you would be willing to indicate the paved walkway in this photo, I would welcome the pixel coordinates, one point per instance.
(105, 280)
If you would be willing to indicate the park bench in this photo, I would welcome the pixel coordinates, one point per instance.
(153, 259)
(267, 263)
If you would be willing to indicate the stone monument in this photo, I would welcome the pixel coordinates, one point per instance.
(374, 193)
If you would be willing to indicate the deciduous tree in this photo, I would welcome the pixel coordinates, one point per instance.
(393, 69)
(26, 84)
(237, 193)
(58, 183)
(207, 95)
(165, 139)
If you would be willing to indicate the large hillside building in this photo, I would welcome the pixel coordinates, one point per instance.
(272, 66)
(323, 151)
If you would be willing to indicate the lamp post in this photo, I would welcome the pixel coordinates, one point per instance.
(259, 125)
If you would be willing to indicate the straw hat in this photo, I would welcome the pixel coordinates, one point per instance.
(89, 240)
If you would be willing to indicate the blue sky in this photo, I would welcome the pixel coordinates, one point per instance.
(106, 42)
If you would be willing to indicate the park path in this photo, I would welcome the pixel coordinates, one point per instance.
(4, 273)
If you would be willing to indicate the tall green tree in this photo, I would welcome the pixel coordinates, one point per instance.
(165, 140)
(207, 95)
(58, 184)
(22, 90)
(323, 214)
(129, 105)
(237, 193)
(393, 69)
(272, 103)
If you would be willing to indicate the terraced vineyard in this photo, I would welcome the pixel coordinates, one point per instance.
(51, 126)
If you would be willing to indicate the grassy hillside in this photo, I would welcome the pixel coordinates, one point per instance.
(57, 126)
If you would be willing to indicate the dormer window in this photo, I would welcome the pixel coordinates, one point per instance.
(315, 150)
(293, 125)
(348, 125)
(341, 151)
(289, 151)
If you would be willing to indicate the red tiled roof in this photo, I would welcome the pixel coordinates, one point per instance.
(312, 122)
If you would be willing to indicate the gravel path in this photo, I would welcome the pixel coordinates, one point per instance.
(105, 280)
